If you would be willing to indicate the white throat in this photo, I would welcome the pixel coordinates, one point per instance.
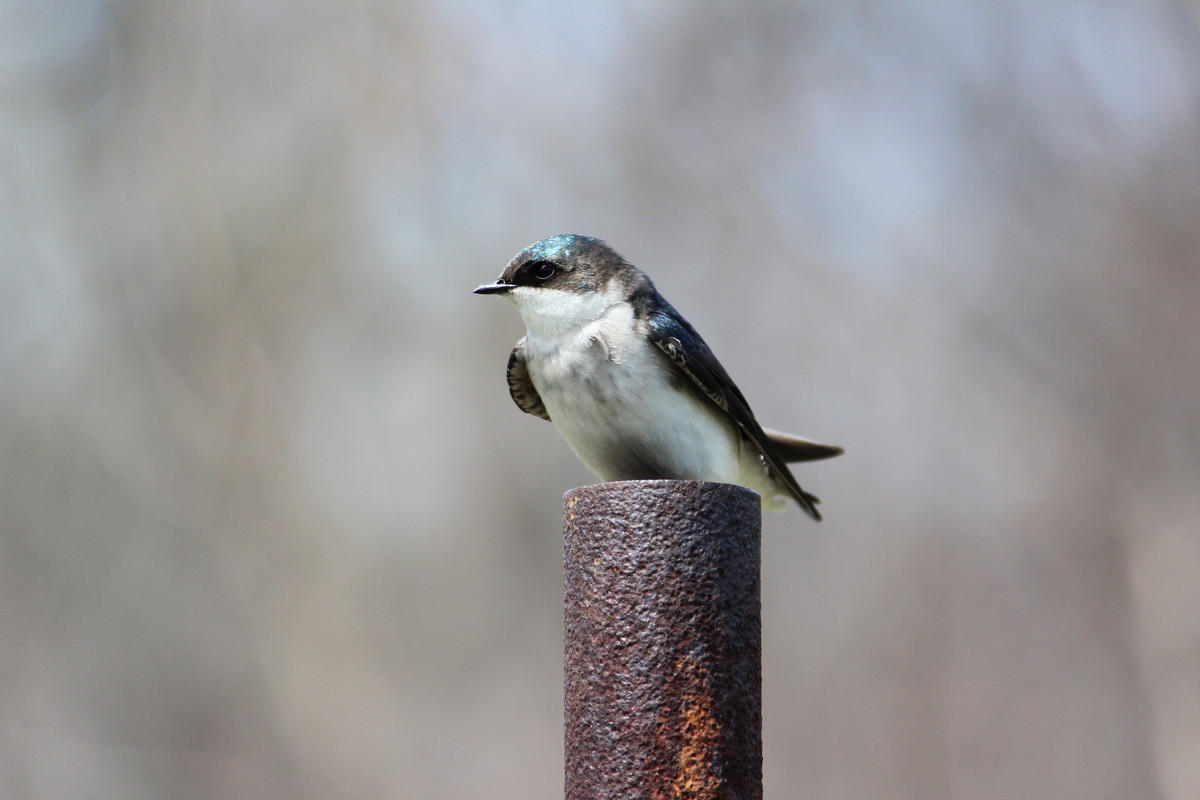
(550, 314)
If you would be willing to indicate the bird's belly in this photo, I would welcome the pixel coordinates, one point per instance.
(627, 421)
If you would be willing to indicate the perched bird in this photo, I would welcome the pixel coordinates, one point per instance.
(628, 382)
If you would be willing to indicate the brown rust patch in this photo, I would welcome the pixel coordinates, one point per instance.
(699, 735)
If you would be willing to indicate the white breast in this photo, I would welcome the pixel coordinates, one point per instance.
(608, 390)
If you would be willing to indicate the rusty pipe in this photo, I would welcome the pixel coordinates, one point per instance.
(663, 650)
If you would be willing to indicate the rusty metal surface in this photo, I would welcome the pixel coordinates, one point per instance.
(663, 641)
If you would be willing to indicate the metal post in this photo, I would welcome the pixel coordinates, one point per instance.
(663, 665)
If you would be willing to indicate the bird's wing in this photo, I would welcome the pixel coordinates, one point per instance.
(684, 347)
(523, 392)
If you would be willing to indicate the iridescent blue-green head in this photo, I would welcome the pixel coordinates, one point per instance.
(567, 264)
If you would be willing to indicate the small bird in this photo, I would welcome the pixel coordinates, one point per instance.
(628, 382)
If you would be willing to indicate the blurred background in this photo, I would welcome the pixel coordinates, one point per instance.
(271, 527)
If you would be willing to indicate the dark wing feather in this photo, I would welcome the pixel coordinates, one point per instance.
(521, 387)
(683, 345)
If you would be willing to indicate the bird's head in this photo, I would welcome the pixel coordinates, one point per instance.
(565, 281)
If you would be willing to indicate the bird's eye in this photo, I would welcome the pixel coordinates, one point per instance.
(544, 271)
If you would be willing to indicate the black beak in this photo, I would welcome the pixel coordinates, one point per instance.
(495, 288)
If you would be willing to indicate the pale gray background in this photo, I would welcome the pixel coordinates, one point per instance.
(272, 528)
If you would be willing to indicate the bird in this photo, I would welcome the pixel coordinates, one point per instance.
(628, 382)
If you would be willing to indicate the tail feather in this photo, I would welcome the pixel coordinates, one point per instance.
(797, 448)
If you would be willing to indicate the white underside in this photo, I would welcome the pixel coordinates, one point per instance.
(609, 393)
